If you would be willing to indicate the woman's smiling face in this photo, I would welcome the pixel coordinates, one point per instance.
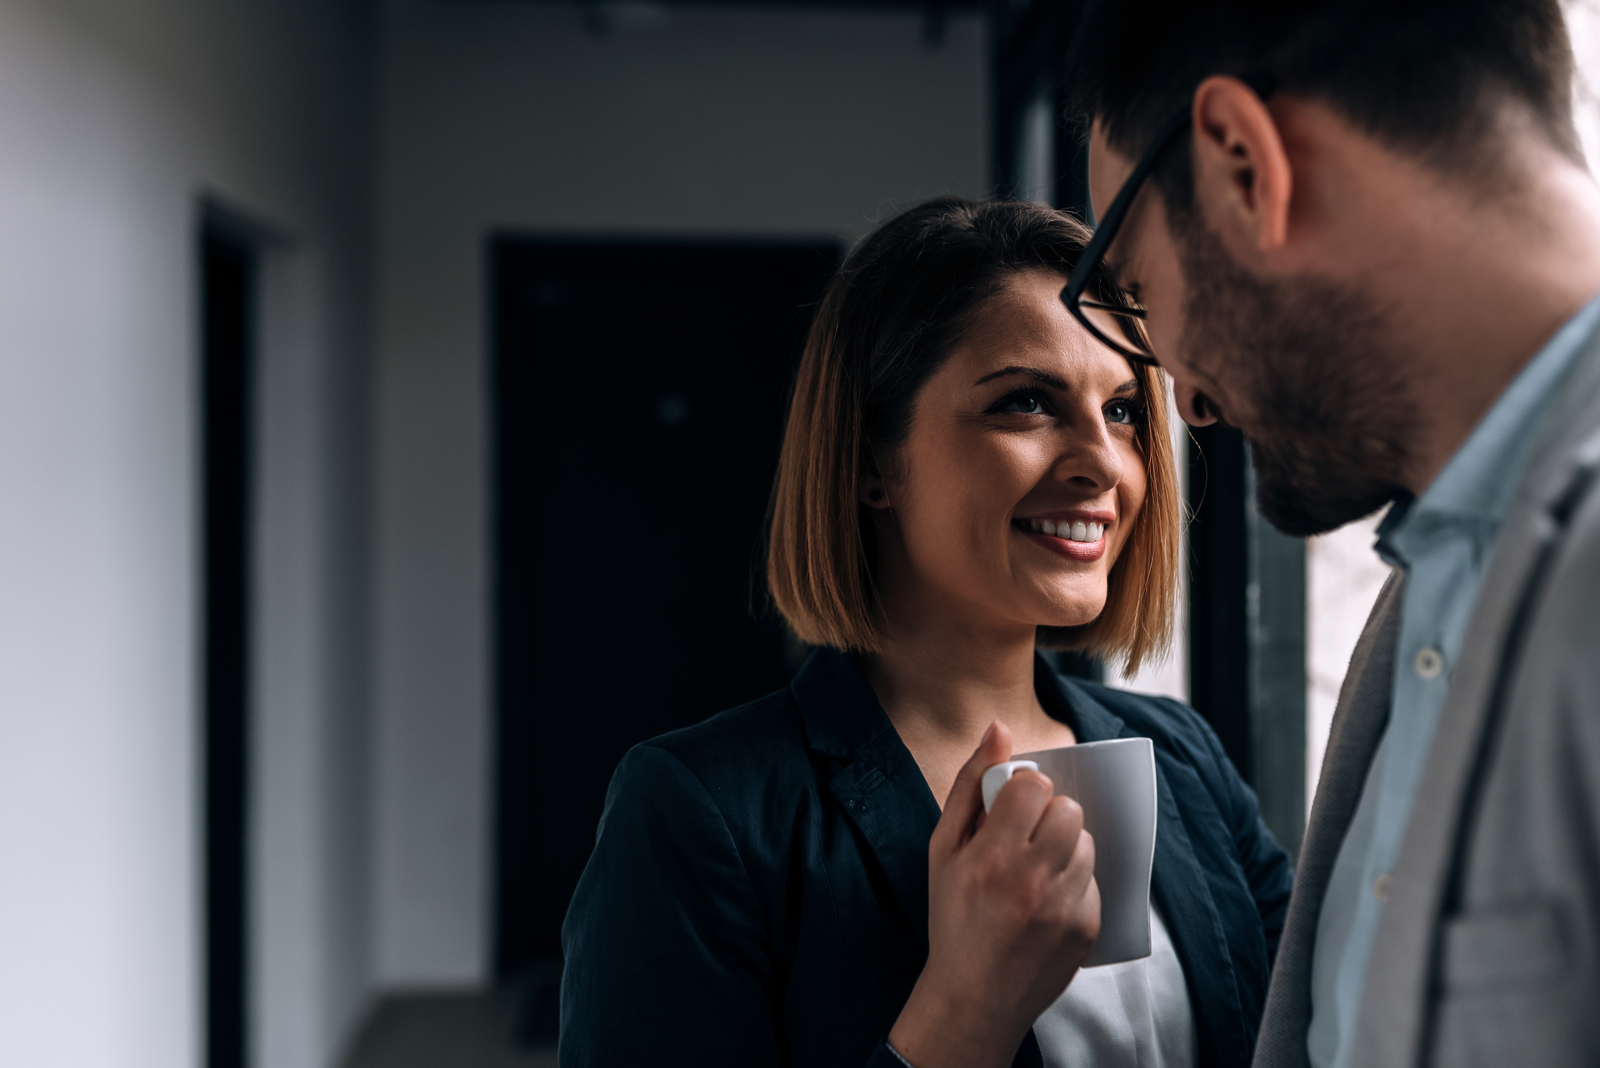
(1021, 474)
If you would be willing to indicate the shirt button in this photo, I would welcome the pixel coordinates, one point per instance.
(1380, 887)
(1429, 662)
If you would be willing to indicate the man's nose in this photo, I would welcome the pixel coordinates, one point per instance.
(1195, 407)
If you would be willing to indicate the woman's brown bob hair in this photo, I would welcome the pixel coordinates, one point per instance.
(889, 318)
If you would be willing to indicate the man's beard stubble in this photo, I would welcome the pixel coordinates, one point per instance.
(1308, 361)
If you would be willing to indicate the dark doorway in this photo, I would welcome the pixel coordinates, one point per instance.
(639, 393)
(227, 287)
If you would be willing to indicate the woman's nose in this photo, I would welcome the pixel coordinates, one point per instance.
(1095, 465)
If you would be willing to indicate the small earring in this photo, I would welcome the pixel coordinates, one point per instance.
(876, 495)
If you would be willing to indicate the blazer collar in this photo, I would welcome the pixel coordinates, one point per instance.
(880, 787)
(883, 792)
(1073, 704)
(841, 713)
(1179, 885)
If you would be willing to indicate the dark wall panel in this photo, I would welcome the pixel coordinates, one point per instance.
(227, 286)
(639, 394)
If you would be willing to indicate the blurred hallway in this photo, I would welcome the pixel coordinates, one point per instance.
(470, 1030)
(361, 856)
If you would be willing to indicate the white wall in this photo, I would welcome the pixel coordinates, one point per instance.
(115, 116)
(1583, 24)
(505, 116)
(1343, 577)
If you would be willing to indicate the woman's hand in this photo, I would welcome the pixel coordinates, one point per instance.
(1013, 910)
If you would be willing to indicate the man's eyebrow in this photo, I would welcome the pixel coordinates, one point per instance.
(1032, 372)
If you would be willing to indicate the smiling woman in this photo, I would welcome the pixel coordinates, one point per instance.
(812, 878)
(954, 307)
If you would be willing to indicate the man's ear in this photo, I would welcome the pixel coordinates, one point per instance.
(1242, 175)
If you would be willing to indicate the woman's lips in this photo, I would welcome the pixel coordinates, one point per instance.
(1067, 539)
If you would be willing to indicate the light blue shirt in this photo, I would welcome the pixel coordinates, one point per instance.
(1443, 539)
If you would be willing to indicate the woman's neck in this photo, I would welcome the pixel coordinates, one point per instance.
(943, 684)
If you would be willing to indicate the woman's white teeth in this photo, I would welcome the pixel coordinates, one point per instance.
(1089, 532)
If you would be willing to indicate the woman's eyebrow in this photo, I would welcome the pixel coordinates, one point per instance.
(1130, 386)
(1032, 372)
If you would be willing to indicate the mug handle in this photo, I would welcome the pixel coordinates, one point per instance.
(998, 775)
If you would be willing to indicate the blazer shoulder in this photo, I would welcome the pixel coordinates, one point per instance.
(1179, 733)
(1168, 722)
(761, 740)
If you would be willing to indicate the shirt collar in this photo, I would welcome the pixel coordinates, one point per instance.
(1475, 489)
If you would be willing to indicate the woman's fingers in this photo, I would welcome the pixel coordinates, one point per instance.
(965, 802)
(1080, 887)
(1079, 871)
(1018, 808)
(1056, 834)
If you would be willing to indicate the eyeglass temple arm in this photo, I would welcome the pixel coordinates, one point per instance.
(1078, 281)
(1261, 83)
(1120, 309)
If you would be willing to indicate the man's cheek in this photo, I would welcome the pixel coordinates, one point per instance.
(1165, 326)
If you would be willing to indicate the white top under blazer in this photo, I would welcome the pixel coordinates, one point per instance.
(1131, 1015)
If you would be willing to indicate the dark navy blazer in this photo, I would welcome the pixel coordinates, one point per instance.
(758, 892)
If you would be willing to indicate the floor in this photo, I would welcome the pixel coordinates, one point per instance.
(447, 1030)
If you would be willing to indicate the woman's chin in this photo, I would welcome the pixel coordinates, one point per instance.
(1076, 615)
(1070, 601)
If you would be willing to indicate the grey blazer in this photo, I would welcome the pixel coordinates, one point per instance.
(1488, 952)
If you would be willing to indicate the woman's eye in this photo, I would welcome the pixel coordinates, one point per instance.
(1122, 412)
(1027, 402)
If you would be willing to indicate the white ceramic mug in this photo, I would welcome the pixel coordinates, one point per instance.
(1115, 782)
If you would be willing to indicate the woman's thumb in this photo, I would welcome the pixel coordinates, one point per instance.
(966, 796)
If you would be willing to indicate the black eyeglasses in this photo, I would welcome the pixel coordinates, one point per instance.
(1126, 313)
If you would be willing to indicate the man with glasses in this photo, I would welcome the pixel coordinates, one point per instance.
(1364, 234)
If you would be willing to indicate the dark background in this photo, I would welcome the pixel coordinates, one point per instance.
(227, 322)
(639, 398)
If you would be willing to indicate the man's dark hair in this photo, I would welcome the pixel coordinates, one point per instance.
(1427, 77)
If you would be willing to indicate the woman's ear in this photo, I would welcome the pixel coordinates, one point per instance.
(872, 493)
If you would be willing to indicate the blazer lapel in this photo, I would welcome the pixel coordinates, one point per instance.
(1358, 725)
(1395, 1002)
(1179, 886)
(880, 787)
(1178, 882)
